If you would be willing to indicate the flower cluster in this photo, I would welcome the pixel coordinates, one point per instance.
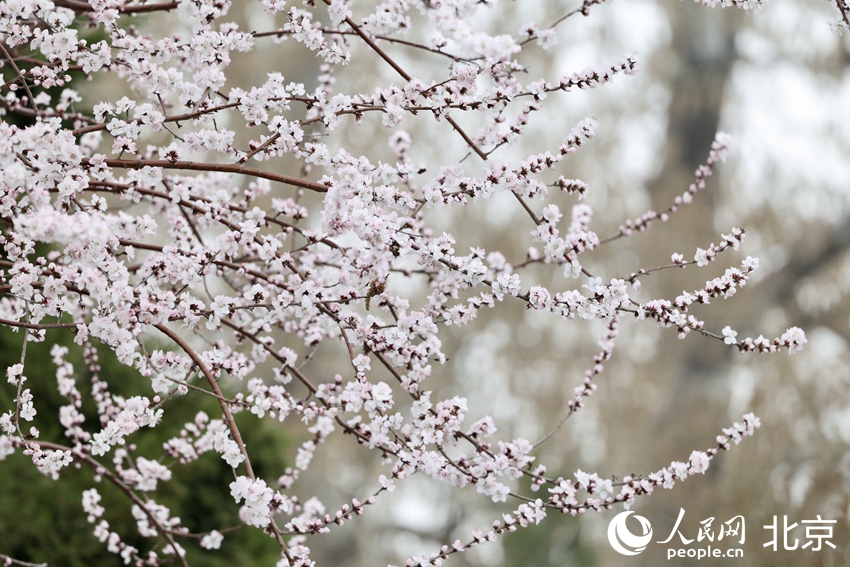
(162, 228)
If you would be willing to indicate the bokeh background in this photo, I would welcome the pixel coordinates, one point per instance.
(778, 81)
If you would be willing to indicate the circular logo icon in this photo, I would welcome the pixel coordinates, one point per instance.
(625, 542)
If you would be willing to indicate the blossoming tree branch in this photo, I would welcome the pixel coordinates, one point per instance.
(142, 224)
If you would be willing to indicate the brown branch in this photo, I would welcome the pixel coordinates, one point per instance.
(220, 167)
(469, 141)
(225, 409)
(141, 8)
(102, 470)
(37, 326)
(21, 75)
(6, 560)
(380, 37)
(845, 11)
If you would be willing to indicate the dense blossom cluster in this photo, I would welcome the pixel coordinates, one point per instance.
(149, 221)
